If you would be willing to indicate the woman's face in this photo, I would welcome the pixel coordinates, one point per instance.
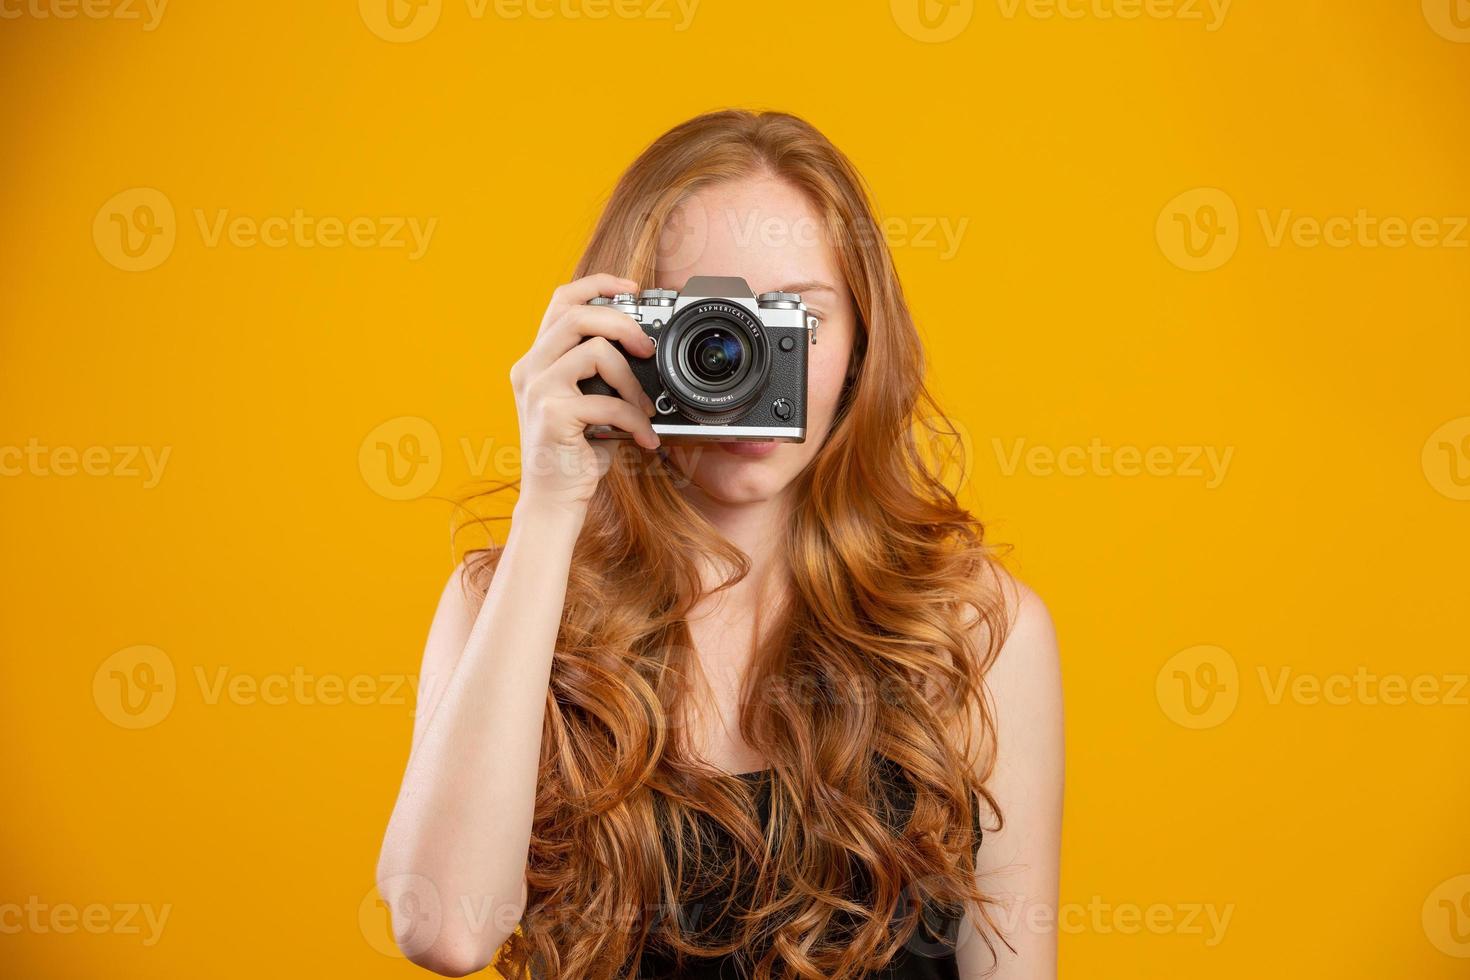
(766, 232)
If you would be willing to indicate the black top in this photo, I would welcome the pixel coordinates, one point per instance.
(922, 957)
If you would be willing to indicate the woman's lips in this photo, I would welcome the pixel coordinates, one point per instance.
(750, 449)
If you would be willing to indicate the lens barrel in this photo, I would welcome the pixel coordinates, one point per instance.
(714, 360)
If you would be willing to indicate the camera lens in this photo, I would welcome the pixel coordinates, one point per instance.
(713, 360)
(715, 355)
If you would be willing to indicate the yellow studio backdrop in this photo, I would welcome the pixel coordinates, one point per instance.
(1192, 273)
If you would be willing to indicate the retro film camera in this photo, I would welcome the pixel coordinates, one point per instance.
(727, 364)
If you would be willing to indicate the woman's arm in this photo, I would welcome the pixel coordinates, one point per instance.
(1020, 864)
(453, 863)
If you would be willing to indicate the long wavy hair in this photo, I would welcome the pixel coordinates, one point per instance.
(870, 673)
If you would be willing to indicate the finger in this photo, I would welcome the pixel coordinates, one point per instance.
(579, 291)
(598, 357)
(580, 322)
(607, 410)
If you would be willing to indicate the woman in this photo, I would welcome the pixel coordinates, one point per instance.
(720, 709)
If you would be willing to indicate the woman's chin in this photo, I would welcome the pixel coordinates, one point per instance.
(735, 472)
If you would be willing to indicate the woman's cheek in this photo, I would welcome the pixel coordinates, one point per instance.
(825, 375)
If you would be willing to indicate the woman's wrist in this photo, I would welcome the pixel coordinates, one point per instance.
(548, 520)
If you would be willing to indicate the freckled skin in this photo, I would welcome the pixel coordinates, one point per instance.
(767, 232)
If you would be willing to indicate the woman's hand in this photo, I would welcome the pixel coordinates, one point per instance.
(559, 465)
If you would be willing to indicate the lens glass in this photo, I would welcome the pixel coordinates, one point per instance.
(715, 354)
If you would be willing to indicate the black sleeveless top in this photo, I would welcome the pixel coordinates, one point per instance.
(927, 955)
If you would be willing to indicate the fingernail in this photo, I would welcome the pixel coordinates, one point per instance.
(648, 407)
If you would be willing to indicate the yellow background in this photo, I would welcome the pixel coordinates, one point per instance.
(271, 547)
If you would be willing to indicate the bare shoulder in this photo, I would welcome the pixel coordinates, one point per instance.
(1032, 635)
(1025, 678)
(1025, 775)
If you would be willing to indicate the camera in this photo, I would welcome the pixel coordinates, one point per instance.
(727, 364)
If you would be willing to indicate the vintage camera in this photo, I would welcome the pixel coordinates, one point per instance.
(727, 364)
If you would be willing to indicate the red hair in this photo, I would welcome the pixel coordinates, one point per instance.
(894, 612)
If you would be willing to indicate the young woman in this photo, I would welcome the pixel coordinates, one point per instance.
(733, 709)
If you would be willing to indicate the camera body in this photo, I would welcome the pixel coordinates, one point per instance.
(727, 364)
